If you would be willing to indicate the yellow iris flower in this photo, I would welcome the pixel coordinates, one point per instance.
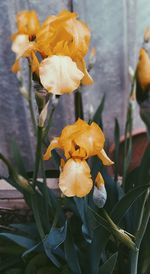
(62, 41)
(24, 39)
(59, 74)
(65, 35)
(79, 141)
(143, 69)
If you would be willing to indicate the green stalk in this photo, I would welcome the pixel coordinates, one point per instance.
(143, 222)
(37, 217)
(38, 156)
(128, 142)
(78, 105)
(30, 100)
(45, 197)
(49, 121)
(11, 170)
(34, 202)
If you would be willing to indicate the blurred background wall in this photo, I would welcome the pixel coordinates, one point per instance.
(117, 33)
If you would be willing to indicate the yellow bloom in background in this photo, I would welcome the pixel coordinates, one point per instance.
(27, 23)
(79, 141)
(59, 74)
(143, 69)
(24, 39)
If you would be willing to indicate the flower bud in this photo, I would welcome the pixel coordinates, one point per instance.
(24, 183)
(43, 115)
(99, 192)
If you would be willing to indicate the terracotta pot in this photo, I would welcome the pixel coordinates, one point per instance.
(139, 144)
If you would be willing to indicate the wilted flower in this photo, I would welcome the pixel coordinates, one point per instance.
(79, 141)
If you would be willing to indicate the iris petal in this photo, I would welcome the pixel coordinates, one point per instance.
(59, 74)
(75, 179)
(104, 158)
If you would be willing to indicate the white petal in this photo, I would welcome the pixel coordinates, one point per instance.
(59, 74)
(20, 44)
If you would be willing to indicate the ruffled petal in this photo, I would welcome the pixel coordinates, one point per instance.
(54, 144)
(68, 135)
(24, 48)
(81, 35)
(59, 74)
(20, 44)
(87, 79)
(91, 139)
(27, 22)
(104, 158)
(75, 179)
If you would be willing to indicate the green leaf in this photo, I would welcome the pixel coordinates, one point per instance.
(97, 118)
(140, 177)
(82, 207)
(17, 158)
(99, 241)
(36, 248)
(116, 152)
(126, 202)
(109, 265)
(9, 263)
(48, 270)
(37, 214)
(144, 262)
(14, 271)
(20, 240)
(11, 249)
(56, 237)
(144, 167)
(128, 142)
(53, 240)
(104, 219)
(71, 253)
(39, 260)
(101, 236)
(29, 229)
(101, 220)
(56, 159)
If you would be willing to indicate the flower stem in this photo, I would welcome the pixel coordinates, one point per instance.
(50, 119)
(37, 154)
(31, 108)
(128, 142)
(46, 197)
(36, 214)
(78, 105)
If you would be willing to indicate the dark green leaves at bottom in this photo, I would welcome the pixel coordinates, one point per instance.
(71, 253)
(109, 265)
